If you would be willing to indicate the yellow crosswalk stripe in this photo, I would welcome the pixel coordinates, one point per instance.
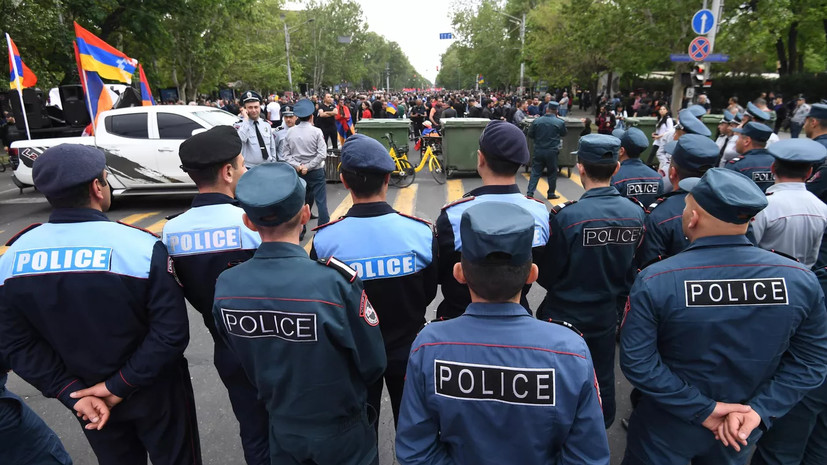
(455, 191)
(542, 188)
(132, 219)
(339, 211)
(406, 199)
(157, 227)
(3, 249)
(576, 178)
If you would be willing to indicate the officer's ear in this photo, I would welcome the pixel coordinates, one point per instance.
(617, 168)
(458, 274)
(250, 225)
(305, 214)
(480, 159)
(533, 274)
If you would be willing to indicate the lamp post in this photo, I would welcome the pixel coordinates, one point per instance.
(287, 46)
(521, 23)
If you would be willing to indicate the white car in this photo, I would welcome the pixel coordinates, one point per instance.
(140, 144)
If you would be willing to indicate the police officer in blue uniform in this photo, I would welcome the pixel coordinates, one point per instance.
(755, 161)
(635, 180)
(394, 254)
(815, 127)
(547, 132)
(503, 149)
(755, 114)
(304, 330)
(495, 386)
(722, 338)
(90, 307)
(692, 156)
(587, 264)
(203, 242)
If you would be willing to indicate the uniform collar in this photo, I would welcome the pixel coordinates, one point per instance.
(279, 250)
(718, 241)
(600, 192)
(212, 198)
(632, 161)
(821, 137)
(497, 309)
(367, 210)
(757, 152)
(76, 215)
(787, 186)
(509, 189)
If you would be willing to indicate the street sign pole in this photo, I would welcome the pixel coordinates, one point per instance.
(717, 10)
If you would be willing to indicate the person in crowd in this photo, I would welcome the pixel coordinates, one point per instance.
(548, 132)
(306, 150)
(755, 161)
(634, 179)
(605, 121)
(257, 139)
(326, 121)
(274, 110)
(798, 116)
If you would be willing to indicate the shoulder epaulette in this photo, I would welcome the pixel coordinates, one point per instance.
(24, 231)
(637, 202)
(536, 200)
(457, 202)
(566, 324)
(328, 223)
(556, 209)
(416, 218)
(768, 193)
(654, 260)
(138, 228)
(734, 160)
(785, 255)
(662, 198)
(349, 273)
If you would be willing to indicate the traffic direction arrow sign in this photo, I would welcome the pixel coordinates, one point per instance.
(703, 21)
(700, 48)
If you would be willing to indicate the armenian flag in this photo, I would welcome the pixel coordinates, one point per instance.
(97, 97)
(20, 76)
(146, 93)
(344, 123)
(100, 57)
(391, 108)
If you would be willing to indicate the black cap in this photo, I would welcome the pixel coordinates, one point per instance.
(250, 96)
(361, 153)
(504, 140)
(64, 166)
(220, 144)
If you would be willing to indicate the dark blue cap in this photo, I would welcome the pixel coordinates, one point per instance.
(601, 149)
(553, 104)
(758, 131)
(697, 110)
(757, 113)
(633, 140)
(504, 140)
(304, 108)
(287, 110)
(65, 166)
(250, 96)
(692, 125)
(726, 194)
(361, 153)
(738, 117)
(271, 194)
(728, 117)
(491, 227)
(670, 147)
(798, 150)
(818, 111)
(695, 152)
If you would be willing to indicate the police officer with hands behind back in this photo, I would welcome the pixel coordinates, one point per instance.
(635, 180)
(257, 137)
(304, 330)
(547, 132)
(722, 338)
(394, 254)
(90, 309)
(495, 386)
(202, 242)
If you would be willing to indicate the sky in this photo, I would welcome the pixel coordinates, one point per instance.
(419, 40)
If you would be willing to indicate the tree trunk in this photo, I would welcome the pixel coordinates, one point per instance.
(824, 22)
(783, 64)
(792, 47)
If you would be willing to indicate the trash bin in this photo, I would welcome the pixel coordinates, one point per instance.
(460, 142)
(647, 125)
(377, 128)
(711, 122)
(331, 165)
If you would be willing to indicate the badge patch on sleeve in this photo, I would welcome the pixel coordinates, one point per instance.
(171, 270)
(367, 311)
(522, 386)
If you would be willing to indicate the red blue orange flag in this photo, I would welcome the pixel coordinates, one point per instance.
(391, 108)
(20, 76)
(146, 93)
(100, 57)
(97, 97)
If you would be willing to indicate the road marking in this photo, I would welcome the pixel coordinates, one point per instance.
(337, 213)
(157, 227)
(455, 190)
(132, 219)
(24, 200)
(576, 178)
(542, 186)
(3, 249)
(406, 199)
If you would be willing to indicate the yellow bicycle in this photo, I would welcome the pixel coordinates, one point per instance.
(405, 174)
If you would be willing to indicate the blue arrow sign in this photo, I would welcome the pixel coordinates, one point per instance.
(703, 22)
(446, 35)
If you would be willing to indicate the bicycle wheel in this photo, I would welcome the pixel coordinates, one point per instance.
(437, 167)
(405, 176)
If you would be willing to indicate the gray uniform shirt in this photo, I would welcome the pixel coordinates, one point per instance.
(280, 134)
(793, 222)
(250, 149)
(305, 145)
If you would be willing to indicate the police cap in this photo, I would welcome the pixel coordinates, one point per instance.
(758, 131)
(220, 144)
(287, 110)
(728, 118)
(496, 227)
(738, 117)
(798, 151)
(250, 96)
(670, 147)
(271, 194)
(504, 140)
(818, 111)
(695, 152)
(598, 149)
(64, 166)
(691, 124)
(757, 113)
(633, 140)
(553, 104)
(303, 108)
(697, 110)
(726, 194)
(361, 153)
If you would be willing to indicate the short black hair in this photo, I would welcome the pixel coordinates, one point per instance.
(306, 118)
(495, 279)
(684, 173)
(822, 123)
(500, 165)
(76, 196)
(791, 169)
(364, 183)
(208, 176)
(598, 172)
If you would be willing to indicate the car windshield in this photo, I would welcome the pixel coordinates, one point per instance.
(217, 117)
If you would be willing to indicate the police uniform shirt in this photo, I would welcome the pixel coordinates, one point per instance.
(793, 223)
(635, 180)
(587, 263)
(664, 235)
(456, 295)
(818, 183)
(757, 165)
(304, 144)
(548, 132)
(494, 373)
(280, 135)
(396, 258)
(250, 148)
(728, 322)
(729, 151)
(81, 274)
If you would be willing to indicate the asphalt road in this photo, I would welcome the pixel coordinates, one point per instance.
(217, 425)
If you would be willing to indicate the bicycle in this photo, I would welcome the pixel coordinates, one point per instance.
(405, 172)
(435, 163)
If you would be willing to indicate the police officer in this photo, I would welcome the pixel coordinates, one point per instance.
(587, 263)
(90, 307)
(496, 386)
(304, 330)
(754, 161)
(394, 254)
(548, 132)
(202, 242)
(753, 113)
(258, 143)
(503, 149)
(795, 219)
(634, 179)
(726, 139)
(687, 124)
(305, 150)
(719, 325)
(288, 121)
(815, 127)
(692, 156)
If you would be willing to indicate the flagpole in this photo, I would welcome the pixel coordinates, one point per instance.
(84, 82)
(19, 87)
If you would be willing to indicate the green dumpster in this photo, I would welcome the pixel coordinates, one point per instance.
(460, 142)
(377, 128)
(565, 159)
(711, 122)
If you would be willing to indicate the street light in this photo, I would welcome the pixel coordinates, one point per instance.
(287, 46)
(521, 23)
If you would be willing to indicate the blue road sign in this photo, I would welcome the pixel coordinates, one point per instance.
(713, 58)
(700, 48)
(703, 22)
(446, 35)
